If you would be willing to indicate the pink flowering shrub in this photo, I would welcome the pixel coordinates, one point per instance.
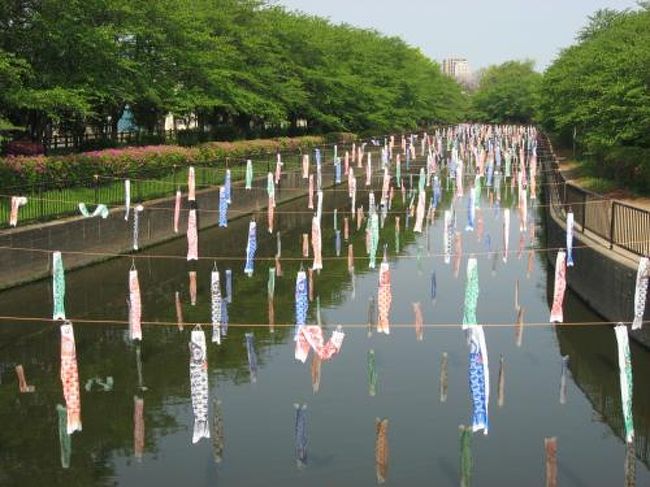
(144, 162)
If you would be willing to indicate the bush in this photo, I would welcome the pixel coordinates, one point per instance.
(144, 162)
(629, 166)
(191, 137)
(342, 137)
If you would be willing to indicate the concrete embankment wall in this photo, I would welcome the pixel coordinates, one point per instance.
(604, 278)
(97, 239)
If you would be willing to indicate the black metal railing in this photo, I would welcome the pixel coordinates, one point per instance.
(619, 224)
(47, 201)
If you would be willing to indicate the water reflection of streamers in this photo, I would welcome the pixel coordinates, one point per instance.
(217, 431)
(381, 449)
(372, 374)
(550, 446)
(502, 383)
(563, 379)
(316, 364)
(444, 377)
(418, 321)
(465, 455)
(519, 327)
(138, 428)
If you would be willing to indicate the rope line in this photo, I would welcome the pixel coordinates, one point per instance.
(285, 259)
(89, 321)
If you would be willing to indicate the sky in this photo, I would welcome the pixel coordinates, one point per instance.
(483, 31)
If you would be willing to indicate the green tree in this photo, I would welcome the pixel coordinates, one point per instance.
(240, 65)
(601, 86)
(507, 93)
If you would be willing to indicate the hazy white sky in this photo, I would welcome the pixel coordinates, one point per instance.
(484, 31)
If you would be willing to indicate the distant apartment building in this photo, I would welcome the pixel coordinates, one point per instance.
(457, 68)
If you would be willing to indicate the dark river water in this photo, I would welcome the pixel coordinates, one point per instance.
(423, 437)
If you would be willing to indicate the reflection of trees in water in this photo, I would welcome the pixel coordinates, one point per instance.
(29, 438)
(594, 366)
(594, 361)
(30, 448)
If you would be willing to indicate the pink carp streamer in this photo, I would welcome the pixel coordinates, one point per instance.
(305, 245)
(135, 306)
(192, 237)
(384, 299)
(316, 244)
(22, 381)
(70, 378)
(346, 228)
(385, 187)
(177, 210)
(271, 212)
(191, 185)
(310, 193)
(352, 191)
(369, 169)
(305, 166)
(127, 198)
(179, 310)
(311, 337)
(192, 278)
(506, 234)
(419, 218)
(16, 203)
(557, 315)
(641, 292)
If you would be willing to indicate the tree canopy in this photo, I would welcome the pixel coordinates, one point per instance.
(507, 93)
(601, 86)
(69, 65)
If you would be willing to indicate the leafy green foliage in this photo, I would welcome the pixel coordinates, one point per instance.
(507, 93)
(601, 86)
(599, 89)
(244, 65)
(140, 162)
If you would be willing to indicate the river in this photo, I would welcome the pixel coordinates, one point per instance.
(258, 417)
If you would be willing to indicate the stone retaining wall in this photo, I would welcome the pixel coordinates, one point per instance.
(115, 235)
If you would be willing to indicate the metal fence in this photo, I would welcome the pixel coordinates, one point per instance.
(619, 224)
(64, 143)
(48, 202)
(69, 143)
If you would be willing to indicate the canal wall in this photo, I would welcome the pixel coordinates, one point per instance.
(605, 279)
(85, 241)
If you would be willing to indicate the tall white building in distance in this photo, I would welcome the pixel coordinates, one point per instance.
(457, 68)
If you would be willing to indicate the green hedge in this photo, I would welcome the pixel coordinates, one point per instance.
(629, 166)
(144, 162)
